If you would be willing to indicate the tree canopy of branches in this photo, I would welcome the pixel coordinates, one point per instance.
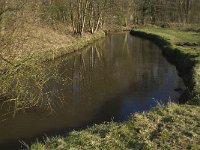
(91, 15)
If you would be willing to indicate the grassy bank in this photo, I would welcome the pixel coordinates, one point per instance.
(28, 70)
(169, 127)
(181, 48)
(80, 43)
(37, 44)
(164, 127)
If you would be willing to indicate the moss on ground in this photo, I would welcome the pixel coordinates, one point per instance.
(164, 127)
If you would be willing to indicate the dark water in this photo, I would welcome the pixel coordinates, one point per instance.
(108, 80)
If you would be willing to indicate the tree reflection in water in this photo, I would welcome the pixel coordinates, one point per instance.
(111, 78)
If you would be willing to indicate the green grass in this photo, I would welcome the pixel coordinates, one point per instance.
(169, 127)
(164, 127)
(174, 36)
(186, 58)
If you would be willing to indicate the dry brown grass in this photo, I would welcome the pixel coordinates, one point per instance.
(21, 43)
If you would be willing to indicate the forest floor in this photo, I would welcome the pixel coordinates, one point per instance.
(174, 126)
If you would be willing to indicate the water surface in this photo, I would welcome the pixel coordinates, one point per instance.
(109, 80)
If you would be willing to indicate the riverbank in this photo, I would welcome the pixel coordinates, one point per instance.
(72, 47)
(29, 68)
(164, 127)
(38, 44)
(181, 48)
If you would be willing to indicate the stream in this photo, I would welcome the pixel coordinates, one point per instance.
(107, 80)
